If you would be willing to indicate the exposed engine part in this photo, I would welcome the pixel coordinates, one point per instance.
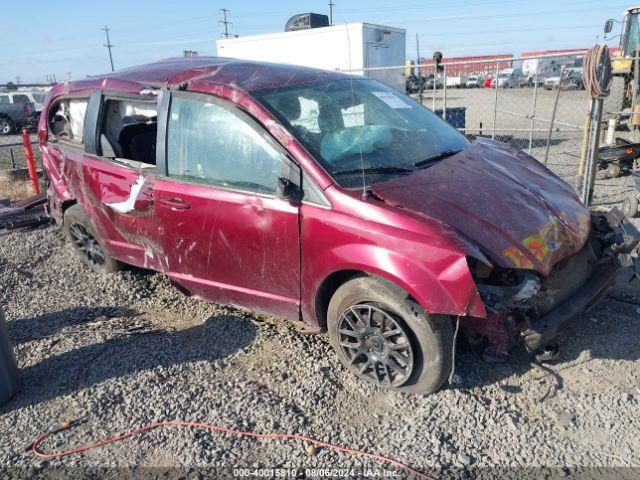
(513, 296)
(548, 353)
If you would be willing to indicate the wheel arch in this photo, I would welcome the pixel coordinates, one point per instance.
(450, 290)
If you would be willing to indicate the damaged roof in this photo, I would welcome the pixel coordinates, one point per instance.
(244, 74)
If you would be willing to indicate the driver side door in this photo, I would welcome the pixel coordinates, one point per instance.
(227, 234)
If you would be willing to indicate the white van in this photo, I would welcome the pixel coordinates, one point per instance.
(508, 78)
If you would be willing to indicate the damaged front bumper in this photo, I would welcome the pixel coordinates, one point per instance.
(530, 309)
(542, 330)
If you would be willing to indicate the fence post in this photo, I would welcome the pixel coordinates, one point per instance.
(435, 84)
(31, 162)
(420, 84)
(589, 175)
(553, 115)
(533, 109)
(444, 86)
(495, 102)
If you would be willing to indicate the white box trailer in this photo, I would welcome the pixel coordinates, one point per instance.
(348, 47)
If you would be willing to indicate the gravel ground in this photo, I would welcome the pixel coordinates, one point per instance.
(127, 349)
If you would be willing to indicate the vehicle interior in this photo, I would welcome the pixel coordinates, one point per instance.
(128, 131)
(66, 119)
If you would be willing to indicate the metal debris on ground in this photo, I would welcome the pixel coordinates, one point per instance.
(29, 212)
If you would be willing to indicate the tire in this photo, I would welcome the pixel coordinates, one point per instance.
(86, 242)
(5, 126)
(613, 170)
(630, 206)
(423, 343)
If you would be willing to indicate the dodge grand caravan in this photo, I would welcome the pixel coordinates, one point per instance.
(326, 198)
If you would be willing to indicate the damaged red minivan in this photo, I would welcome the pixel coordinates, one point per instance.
(327, 198)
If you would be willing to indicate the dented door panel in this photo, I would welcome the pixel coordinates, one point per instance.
(230, 247)
(119, 198)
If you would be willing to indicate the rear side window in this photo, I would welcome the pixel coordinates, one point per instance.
(128, 130)
(21, 99)
(207, 142)
(66, 119)
(4, 99)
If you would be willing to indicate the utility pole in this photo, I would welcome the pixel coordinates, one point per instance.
(18, 79)
(331, 5)
(225, 22)
(109, 45)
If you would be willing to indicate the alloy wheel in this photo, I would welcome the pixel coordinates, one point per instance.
(87, 244)
(376, 344)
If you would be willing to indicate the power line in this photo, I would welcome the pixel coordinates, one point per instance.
(225, 23)
(109, 46)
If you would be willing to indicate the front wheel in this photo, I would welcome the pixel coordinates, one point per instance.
(385, 338)
(5, 126)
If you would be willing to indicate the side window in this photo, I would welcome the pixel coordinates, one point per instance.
(4, 99)
(66, 119)
(206, 142)
(128, 130)
(21, 99)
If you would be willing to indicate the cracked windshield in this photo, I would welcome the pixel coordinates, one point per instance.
(351, 125)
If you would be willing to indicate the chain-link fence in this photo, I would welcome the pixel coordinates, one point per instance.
(12, 155)
(537, 104)
(14, 174)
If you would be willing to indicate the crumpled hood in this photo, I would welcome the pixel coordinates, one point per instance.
(519, 213)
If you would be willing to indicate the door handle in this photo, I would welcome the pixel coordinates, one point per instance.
(174, 203)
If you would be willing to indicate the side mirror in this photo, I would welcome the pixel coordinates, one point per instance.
(289, 190)
(290, 181)
(608, 26)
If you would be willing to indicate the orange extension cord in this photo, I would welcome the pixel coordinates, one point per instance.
(207, 426)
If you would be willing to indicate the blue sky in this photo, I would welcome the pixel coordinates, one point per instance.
(64, 37)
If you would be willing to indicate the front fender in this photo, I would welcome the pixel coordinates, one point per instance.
(438, 280)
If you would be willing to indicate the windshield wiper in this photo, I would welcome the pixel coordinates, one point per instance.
(434, 158)
(374, 170)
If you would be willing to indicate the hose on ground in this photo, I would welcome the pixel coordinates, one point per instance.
(35, 447)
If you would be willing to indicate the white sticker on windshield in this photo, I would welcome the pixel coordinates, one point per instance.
(391, 100)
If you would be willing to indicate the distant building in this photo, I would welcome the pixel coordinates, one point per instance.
(467, 65)
(553, 52)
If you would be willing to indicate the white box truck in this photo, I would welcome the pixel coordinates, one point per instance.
(348, 47)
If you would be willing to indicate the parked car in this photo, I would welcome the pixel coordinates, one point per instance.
(508, 78)
(429, 84)
(473, 81)
(15, 116)
(571, 80)
(22, 97)
(413, 84)
(317, 196)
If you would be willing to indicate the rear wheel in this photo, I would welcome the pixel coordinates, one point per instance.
(86, 241)
(386, 339)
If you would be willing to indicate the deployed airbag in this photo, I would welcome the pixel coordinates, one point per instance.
(359, 139)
